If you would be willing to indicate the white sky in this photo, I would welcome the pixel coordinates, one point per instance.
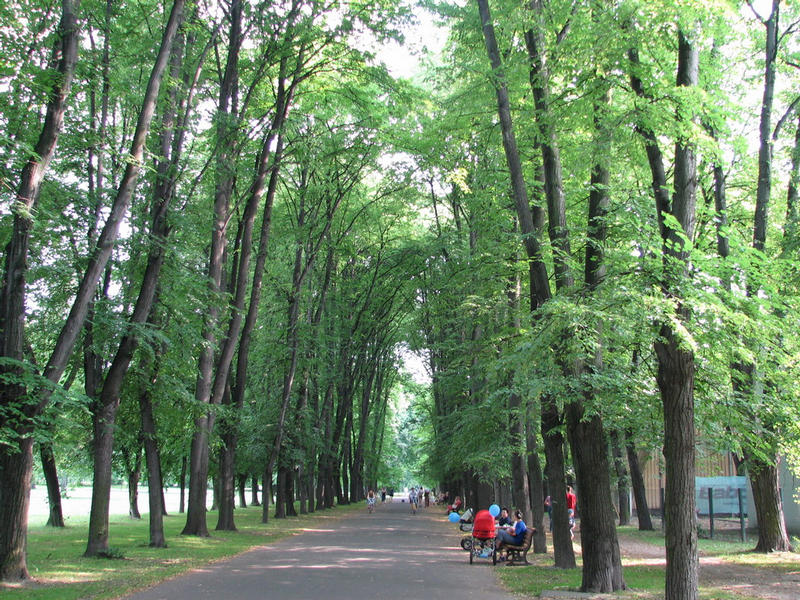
(405, 60)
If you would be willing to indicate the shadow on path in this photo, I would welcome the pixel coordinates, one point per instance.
(388, 554)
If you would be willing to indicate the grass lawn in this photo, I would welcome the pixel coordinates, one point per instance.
(56, 562)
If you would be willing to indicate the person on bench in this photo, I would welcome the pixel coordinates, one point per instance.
(511, 537)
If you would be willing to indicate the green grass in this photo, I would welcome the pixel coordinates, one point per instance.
(60, 572)
(645, 581)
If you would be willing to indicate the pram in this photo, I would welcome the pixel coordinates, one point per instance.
(465, 524)
(483, 537)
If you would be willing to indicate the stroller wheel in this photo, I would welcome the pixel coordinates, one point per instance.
(466, 544)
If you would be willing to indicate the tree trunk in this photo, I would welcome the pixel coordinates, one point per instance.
(227, 469)
(133, 487)
(772, 536)
(563, 553)
(602, 566)
(280, 493)
(637, 483)
(154, 482)
(56, 518)
(676, 383)
(536, 489)
(266, 496)
(791, 233)
(15, 484)
(242, 484)
(623, 491)
(182, 505)
(254, 491)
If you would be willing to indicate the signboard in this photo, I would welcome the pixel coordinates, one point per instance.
(725, 494)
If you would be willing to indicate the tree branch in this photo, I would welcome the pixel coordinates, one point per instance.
(785, 116)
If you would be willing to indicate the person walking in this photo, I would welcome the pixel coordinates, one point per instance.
(412, 500)
(572, 504)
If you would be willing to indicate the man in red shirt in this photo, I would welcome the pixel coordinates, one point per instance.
(572, 502)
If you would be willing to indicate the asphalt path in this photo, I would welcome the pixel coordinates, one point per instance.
(388, 554)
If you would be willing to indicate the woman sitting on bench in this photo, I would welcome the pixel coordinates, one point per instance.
(512, 537)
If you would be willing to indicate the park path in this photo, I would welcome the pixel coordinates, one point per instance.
(389, 554)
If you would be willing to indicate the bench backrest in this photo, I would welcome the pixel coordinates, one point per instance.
(526, 542)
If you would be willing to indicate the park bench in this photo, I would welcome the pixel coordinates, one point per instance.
(519, 553)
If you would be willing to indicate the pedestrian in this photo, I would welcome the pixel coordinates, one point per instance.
(548, 508)
(371, 501)
(572, 504)
(412, 500)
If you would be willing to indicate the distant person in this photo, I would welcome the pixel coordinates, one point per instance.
(572, 504)
(371, 501)
(548, 508)
(503, 519)
(383, 495)
(412, 500)
(427, 497)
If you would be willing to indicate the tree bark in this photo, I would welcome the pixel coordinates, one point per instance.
(563, 553)
(254, 491)
(133, 486)
(242, 484)
(623, 491)
(56, 518)
(772, 536)
(637, 483)
(155, 485)
(536, 489)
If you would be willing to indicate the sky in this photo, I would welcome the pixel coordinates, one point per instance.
(406, 60)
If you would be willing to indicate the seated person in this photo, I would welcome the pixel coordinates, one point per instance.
(512, 537)
(455, 506)
(504, 520)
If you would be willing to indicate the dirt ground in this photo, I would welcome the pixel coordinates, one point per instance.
(734, 578)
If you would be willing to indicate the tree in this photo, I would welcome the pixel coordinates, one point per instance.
(17, 393)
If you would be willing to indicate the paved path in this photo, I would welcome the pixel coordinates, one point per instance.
(390, 554)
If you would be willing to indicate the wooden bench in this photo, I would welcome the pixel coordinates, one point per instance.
(517, 554)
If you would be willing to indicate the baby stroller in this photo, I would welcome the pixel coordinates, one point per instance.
(465, 524)
(483, 537)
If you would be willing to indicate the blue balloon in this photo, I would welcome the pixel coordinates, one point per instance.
(494, 510)
(454, 517)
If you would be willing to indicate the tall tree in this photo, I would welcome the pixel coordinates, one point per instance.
(17, 395)
(109, 398)
(676, 364)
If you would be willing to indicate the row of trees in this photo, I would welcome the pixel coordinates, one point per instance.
(204, 265)
(632, 147)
